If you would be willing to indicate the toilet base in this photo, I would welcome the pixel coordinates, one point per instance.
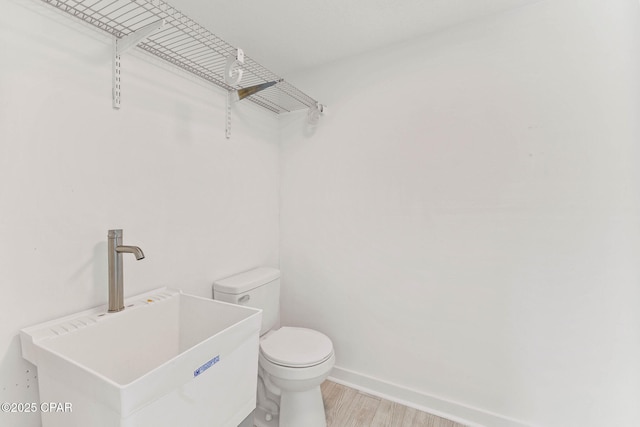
(302, 408)
(259, 419)
(296, 409)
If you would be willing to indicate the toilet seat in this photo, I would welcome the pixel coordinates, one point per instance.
(296, 347)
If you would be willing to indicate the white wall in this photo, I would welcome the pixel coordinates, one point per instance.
(464, 224)
(200, 207)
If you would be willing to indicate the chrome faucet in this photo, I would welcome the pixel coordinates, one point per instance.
(116, 288)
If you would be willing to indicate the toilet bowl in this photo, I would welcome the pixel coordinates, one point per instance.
(292, 361)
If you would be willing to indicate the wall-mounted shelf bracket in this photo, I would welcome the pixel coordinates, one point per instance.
(240, 94)
(120, 46)
(228, 123)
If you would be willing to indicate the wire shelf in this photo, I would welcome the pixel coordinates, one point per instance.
(185, 44)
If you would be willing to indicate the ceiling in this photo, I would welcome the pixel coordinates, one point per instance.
(286, 36)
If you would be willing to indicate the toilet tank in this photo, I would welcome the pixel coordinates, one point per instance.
(257, 288)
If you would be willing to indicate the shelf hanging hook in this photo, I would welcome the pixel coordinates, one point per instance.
(232, 74)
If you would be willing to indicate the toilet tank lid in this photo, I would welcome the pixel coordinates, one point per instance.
(244, 282)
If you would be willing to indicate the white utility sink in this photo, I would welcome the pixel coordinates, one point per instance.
(169, 359)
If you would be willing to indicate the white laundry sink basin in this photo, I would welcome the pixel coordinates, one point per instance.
(168, 359)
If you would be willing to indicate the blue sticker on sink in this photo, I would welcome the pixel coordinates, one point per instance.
(206, 366)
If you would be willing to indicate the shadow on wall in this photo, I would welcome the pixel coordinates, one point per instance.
(98, 286)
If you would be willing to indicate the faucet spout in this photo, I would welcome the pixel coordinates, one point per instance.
(116, 282)
(136, 251)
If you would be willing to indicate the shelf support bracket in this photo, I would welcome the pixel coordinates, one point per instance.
(120, 46)
(234, 96)
(228, 121)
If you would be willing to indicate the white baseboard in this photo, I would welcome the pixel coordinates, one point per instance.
(454, 411)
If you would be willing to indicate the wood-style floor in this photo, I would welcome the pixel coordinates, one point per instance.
(346, 407)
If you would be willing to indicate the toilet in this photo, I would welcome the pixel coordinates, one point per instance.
(292, 362)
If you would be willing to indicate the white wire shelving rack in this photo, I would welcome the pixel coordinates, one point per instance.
(161, 30)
